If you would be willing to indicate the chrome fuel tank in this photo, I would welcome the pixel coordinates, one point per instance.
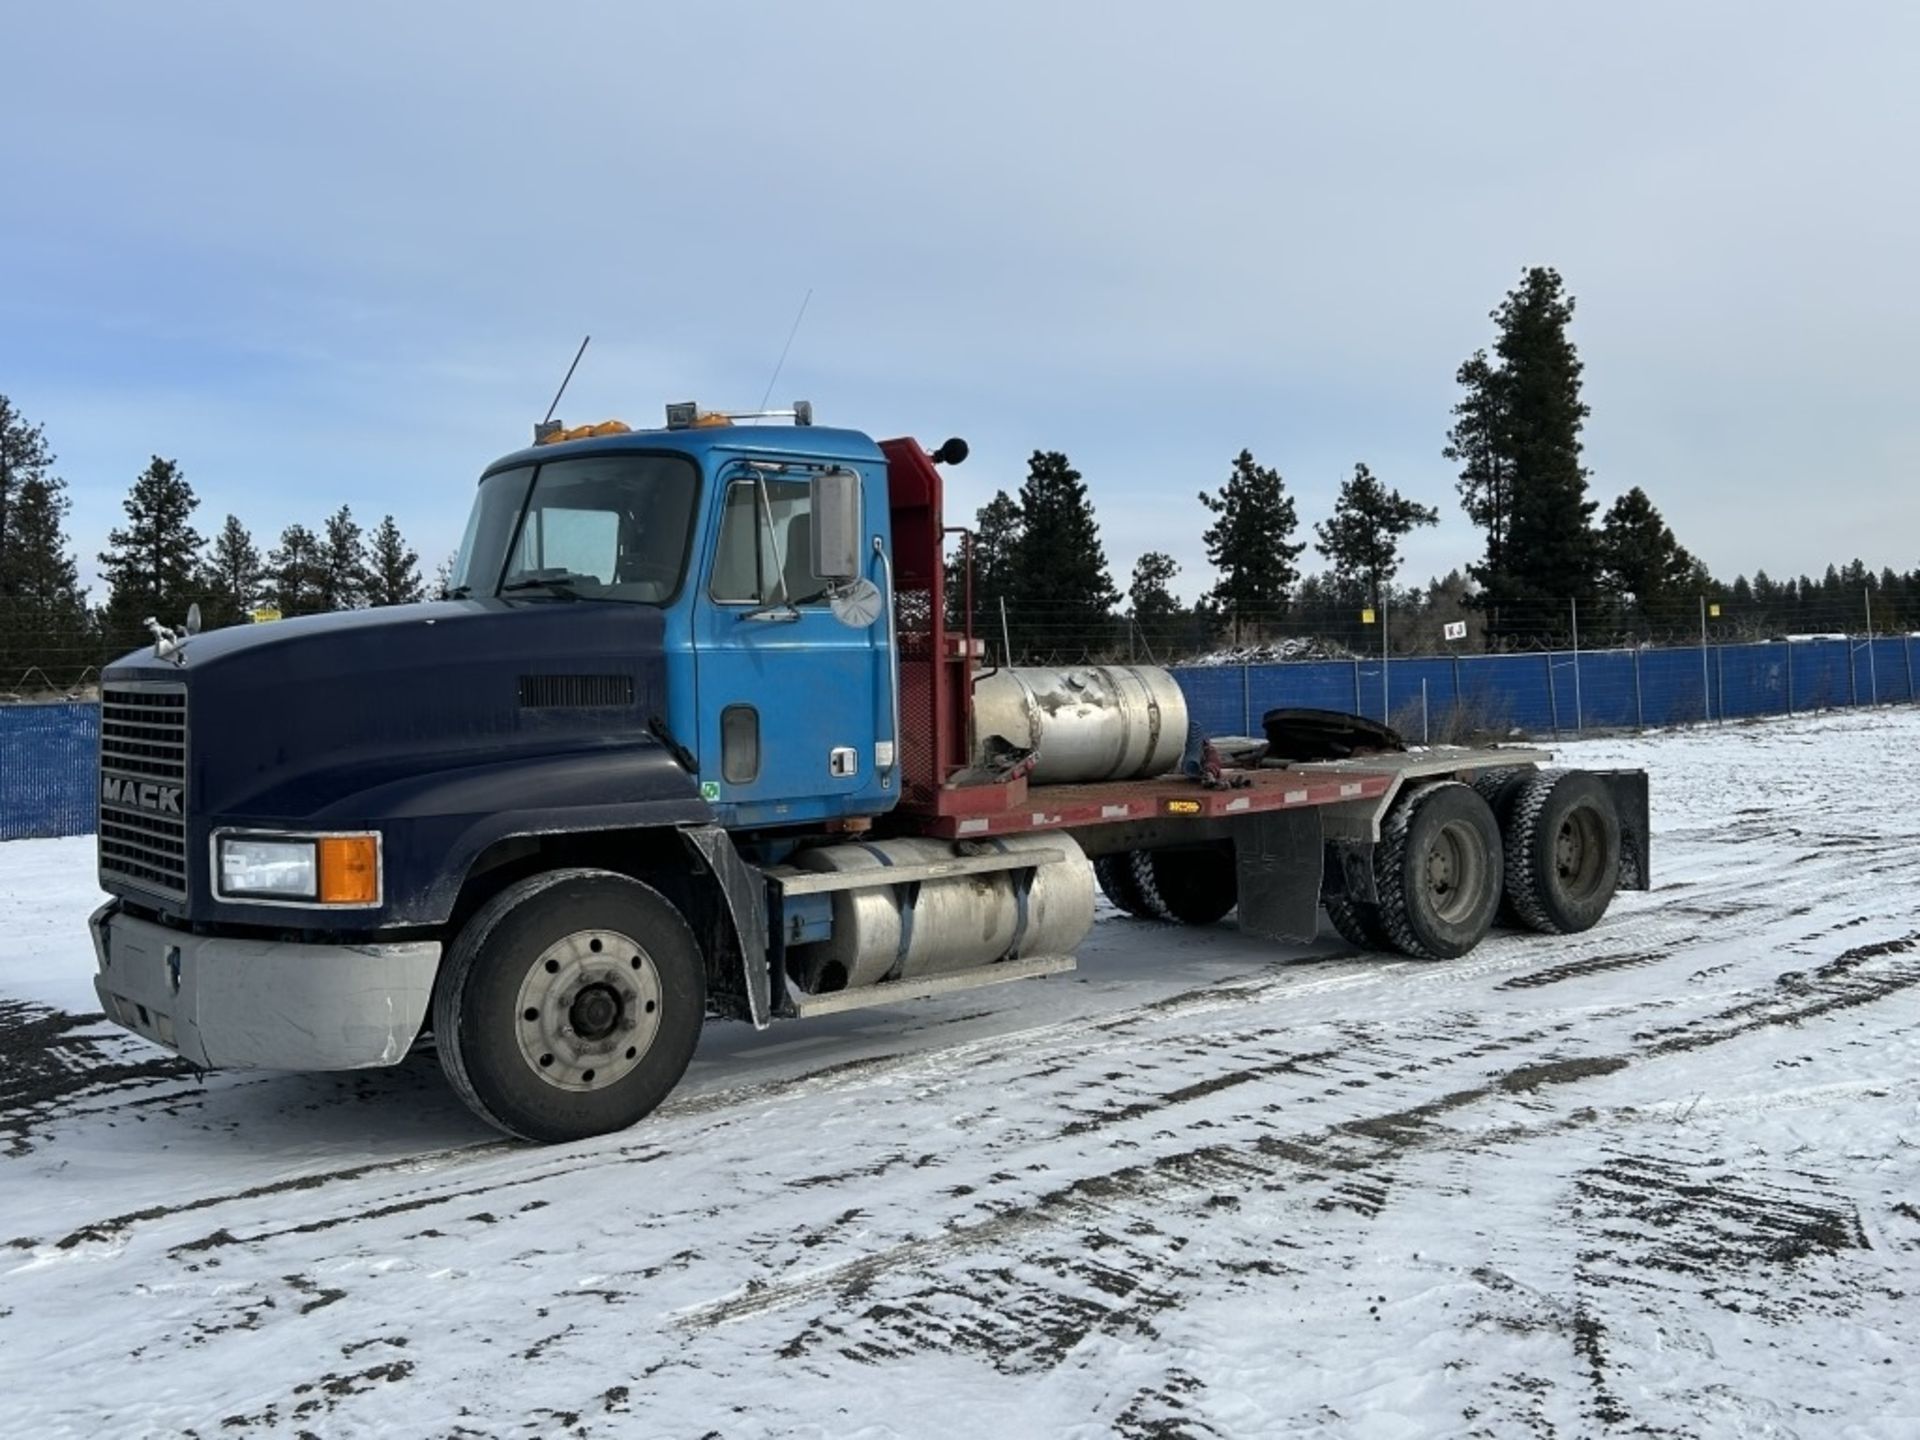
(1088, 722)
(941, 926)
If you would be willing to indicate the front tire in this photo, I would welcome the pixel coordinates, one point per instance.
(1437, 871)
(569, 1005)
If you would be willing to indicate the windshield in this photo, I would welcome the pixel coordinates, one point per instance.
(596, 527)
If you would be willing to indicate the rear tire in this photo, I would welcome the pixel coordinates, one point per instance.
(1117, 883)
(1358, 923)
(1562, 852)
(1499, 788)
(1437, 871)
(569, 1005)
(1188, 887)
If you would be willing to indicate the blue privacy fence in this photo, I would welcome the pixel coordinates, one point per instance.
(47, 751)
(46, 769)
(1564, 692)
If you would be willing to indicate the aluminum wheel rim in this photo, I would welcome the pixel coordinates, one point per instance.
(1455, 870)
(588, 1010)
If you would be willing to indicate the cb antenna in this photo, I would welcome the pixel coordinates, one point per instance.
(569, 377)
(781, 363)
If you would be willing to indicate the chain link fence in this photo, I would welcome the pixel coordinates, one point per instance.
(47, 750)
(47, 756)
(1557, 693)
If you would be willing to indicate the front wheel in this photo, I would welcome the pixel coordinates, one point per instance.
(569, 1005)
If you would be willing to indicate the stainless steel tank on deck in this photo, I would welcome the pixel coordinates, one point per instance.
(1088, 722)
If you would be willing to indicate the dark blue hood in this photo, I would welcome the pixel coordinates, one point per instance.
(451, 728)
(446, 726)
(288, 719)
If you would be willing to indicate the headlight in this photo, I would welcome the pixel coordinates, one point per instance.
(273, 869)
(314, 870)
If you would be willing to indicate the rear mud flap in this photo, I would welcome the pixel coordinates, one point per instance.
(1629, 790)
(1279, 857)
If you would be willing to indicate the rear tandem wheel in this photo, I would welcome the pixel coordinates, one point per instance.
(1195, 885)
(1562, 838)
(1357, 922)
(1437, 870)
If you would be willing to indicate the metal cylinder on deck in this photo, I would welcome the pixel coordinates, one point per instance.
(937, 927)
(1088, 722)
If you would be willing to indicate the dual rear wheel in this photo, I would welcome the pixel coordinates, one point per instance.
(1189, 885)
(1537, 849)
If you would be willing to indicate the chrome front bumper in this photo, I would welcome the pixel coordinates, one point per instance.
(227, 1004)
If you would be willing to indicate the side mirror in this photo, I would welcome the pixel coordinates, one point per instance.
(836, 525)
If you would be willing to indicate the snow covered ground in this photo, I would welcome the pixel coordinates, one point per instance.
(1659, 1179)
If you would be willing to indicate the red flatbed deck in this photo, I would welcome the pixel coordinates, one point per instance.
(1059, 807)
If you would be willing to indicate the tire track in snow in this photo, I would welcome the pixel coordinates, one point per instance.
(1359, 1145)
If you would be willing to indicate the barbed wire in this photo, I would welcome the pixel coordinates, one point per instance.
(1044, 633)
(36, 665)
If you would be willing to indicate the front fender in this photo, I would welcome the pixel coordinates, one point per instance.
(434, 825)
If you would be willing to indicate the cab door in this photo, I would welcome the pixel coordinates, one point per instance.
(790, 699)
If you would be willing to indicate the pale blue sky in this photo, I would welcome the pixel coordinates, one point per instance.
(342, 252)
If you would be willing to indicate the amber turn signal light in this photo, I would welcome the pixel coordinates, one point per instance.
(349, 870)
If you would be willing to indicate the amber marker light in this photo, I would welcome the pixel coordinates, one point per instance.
(349, 870)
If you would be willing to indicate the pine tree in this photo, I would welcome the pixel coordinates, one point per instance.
(1362, 540)
(343, 563)
(996, 533)
(443, 576)
(1517, 437)
(1061, 596)
(43, 613)
(45, 608)
(393, 571)
(1477, 443)
(152, 567)
(1154, 608)
(1251, 544)
(24, 457)
(294, 573)
(233, 576)
(1641, 564)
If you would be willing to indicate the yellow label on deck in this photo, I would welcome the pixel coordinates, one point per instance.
(1183, 807)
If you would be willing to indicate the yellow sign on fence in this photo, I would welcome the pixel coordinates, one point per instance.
(1366, 617)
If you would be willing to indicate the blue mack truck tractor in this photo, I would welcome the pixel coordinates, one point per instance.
(693, 736)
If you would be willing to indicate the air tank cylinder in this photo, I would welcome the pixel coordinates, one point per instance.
(937, 927)
(1088, 722)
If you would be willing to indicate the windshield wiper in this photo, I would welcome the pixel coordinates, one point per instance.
(560, 586)
(459, 592)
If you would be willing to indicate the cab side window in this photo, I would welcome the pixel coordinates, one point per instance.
(751, 559)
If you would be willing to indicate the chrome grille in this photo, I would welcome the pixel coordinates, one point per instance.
(143, 786)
